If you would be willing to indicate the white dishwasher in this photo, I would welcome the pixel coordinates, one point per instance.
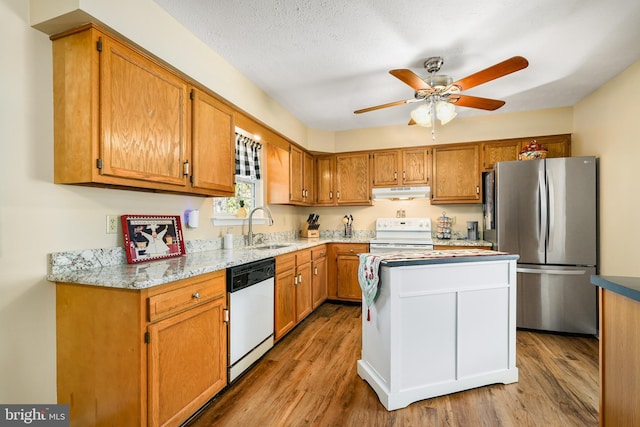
(251, 313)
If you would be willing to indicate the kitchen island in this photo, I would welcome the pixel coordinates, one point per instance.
(619, 349)
(442, 322)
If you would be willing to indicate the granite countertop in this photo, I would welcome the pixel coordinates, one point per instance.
(108, 267)
(461, 242)
(444, 257)
(98, 267)
(626, 286)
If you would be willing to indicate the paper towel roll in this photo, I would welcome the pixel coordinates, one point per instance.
(194, 218)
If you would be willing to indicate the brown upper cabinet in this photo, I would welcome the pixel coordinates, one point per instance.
(213, 155)
(353, 179)
(343, 179)
(325, 180)
(122, 118)
(290, 173)
(456, 174)
(301, 175)
(509, 149)
(409, 166)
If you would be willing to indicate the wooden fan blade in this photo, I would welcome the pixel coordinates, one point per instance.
(499, 70)
(476, 102)
(391, 104)
(411, 78)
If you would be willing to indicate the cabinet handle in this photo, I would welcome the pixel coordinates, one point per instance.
(330, 195)
(196, 295)
(300, 279)
(477, 189)
(295, 279)
(315, 271)
(404, 175)
(338, 194)
(395, 176)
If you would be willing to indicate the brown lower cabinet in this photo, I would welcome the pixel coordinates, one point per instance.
(319, 290)
(141, 357)
(342, 268)
(293, 294)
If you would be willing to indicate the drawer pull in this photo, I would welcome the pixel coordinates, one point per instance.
(196, 295)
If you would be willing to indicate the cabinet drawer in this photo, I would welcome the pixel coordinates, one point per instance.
(177, 300)
(351, 248)
(285, 262)
(319, 252)
(303, 257)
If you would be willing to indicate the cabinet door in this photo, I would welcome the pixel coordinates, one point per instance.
(456, 174)
(304, 305)
(278, 186)
(348, 285)
(143, 118)
(385, 168)
(353, 179)
(212, 145)
(285, 302)
(296, 174)
(187, 362)
(499, 151)
(558, 145)
(415, 166)
(325, 167)
(308, 174)
(319, 281)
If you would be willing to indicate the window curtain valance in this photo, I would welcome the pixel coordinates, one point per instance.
(247, 157)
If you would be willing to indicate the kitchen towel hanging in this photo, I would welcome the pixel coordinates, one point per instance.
(247, 156)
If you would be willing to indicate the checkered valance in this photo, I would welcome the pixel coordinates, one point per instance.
(247, 157)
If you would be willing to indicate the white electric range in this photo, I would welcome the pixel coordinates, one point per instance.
(401, 235)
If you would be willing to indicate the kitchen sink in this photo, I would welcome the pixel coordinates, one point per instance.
(274, 246)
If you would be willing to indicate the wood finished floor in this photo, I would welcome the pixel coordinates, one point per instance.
(310, 379)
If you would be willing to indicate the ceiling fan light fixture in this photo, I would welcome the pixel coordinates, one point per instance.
(445, 111)
(422, 115)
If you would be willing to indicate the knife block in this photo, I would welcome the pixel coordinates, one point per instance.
(310, 233)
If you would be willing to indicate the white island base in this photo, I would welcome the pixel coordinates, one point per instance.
(440, 326)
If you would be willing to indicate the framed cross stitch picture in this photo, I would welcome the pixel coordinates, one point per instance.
(152, 237)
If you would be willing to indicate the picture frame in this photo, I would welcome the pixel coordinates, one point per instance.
(152, 237)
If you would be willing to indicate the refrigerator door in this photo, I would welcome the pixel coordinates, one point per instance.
(556, 298)
(571, 186)
(521, 209)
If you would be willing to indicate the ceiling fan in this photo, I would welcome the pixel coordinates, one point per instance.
(440, 93)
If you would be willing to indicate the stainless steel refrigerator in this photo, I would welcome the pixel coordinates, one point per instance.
(547, 212)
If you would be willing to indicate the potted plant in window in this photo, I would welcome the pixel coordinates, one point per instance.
(241, 212)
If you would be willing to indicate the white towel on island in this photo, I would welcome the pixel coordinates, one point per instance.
(368, 276)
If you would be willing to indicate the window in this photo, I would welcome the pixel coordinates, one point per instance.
(249, 193)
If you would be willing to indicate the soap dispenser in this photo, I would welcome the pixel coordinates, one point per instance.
(228, 239)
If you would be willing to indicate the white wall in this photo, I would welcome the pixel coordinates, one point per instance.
(38, 217)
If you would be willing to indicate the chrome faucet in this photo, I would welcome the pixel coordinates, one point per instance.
(269, 220)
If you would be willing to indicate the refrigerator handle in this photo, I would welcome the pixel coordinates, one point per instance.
(542, 213)
(550, 214)
(560, 272)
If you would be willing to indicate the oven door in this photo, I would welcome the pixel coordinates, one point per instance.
(390, 247)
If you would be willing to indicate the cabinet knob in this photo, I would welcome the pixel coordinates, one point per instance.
(196, 295)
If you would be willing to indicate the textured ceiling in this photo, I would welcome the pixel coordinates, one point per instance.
(323, 59)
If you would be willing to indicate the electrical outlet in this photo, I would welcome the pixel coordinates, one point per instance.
(112, 224)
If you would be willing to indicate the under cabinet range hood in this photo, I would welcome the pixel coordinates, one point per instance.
(401, 193)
